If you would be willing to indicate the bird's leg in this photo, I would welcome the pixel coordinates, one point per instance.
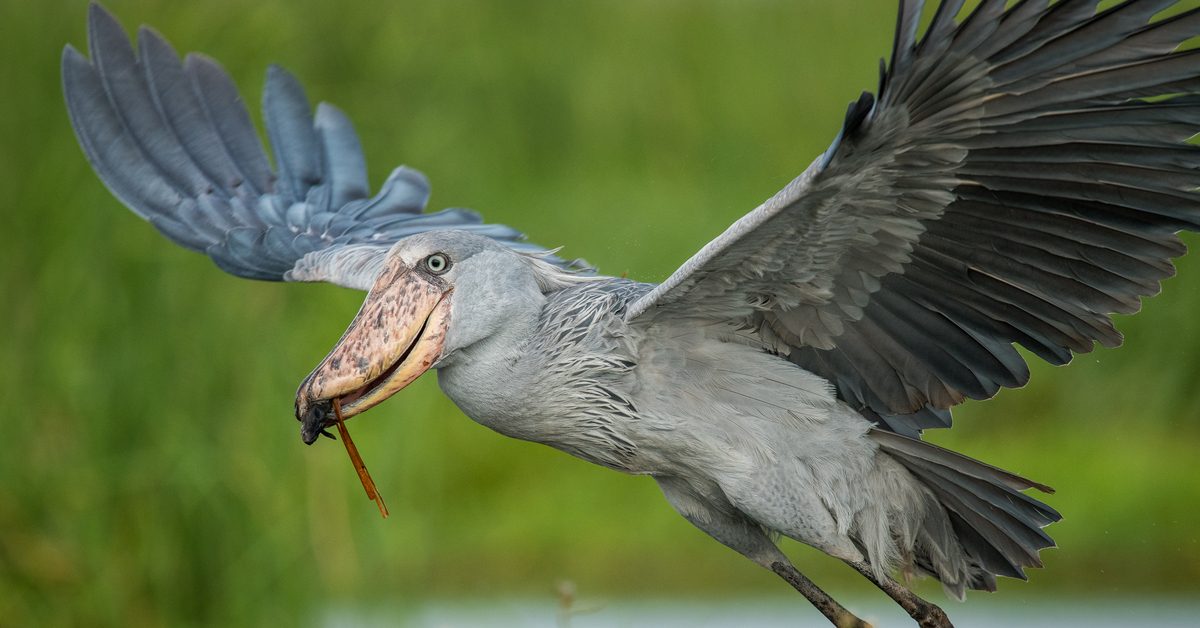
(927, 614)
(836, 613)
(706, 507)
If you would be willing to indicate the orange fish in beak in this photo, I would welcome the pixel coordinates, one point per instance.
(396, 336)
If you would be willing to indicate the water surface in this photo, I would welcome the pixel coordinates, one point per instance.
(773, 612)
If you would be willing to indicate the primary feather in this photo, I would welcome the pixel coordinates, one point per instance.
(175, 143)
(1020, 177)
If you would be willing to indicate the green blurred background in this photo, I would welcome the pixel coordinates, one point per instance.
(152, 471)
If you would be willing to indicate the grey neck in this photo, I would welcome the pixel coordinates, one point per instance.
(488, 379)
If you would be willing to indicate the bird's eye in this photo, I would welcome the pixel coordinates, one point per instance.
(437, 263)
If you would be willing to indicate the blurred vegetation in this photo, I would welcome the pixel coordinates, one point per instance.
(153, 473)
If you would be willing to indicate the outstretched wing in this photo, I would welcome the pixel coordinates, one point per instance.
(1021, 176)
(174, 142)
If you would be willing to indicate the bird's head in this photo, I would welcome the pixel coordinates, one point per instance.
(438, 292)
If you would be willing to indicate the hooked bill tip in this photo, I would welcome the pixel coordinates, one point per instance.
(315, 420)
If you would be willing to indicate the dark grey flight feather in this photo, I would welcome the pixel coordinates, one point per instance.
(174, 142)
(1020, 177)
(999, 527)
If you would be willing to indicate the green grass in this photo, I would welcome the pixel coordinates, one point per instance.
(153, 473)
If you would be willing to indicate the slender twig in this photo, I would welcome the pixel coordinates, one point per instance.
(356, 460)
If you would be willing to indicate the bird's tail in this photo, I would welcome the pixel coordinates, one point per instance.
(989, 527)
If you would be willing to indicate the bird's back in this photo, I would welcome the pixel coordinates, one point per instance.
(660, 398)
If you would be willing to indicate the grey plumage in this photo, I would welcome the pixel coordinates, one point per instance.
(1002, 188)
(174, 142)
(999, 528)
(1020, 176)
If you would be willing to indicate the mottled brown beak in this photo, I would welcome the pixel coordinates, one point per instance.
(395, 337)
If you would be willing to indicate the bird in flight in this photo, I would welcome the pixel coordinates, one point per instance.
(1020, 174)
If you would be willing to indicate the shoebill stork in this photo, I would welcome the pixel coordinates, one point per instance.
(1021, 174)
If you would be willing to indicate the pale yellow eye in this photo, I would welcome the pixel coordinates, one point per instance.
(437, 263)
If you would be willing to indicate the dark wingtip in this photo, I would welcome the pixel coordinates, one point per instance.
(1049, 490)
(96, 9)
(857, 112)
(73, 63)
(146, 32)
(276, 72)
(281, 83)
(99, 17)
(71, 54)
